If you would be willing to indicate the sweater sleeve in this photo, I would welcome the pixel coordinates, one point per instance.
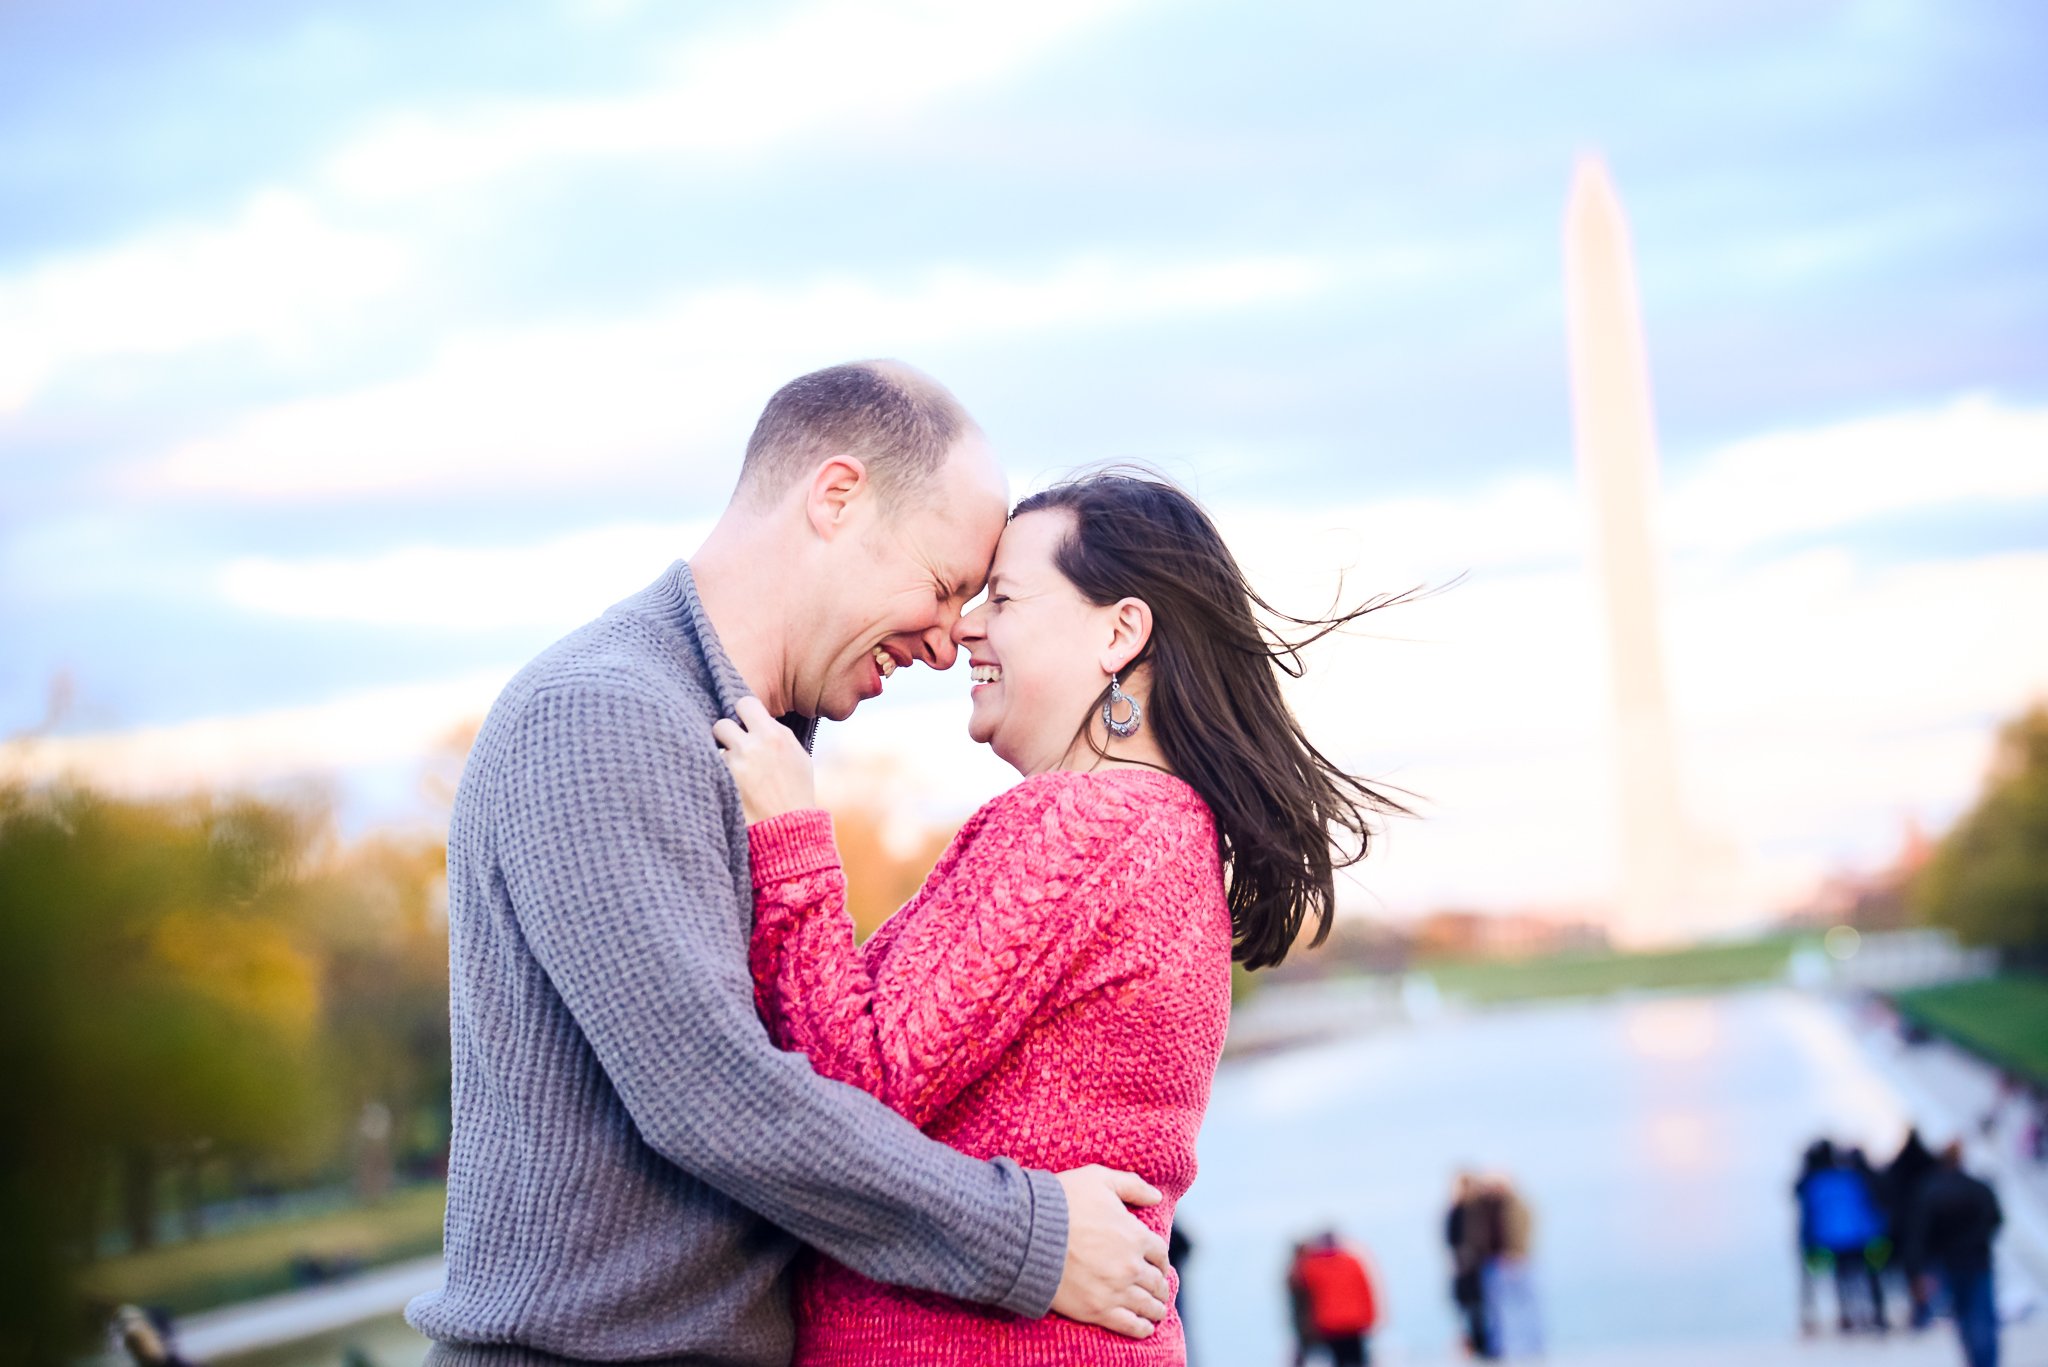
(615, 827)
(1009, 911)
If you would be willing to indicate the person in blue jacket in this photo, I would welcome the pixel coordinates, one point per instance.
(1842, 1225)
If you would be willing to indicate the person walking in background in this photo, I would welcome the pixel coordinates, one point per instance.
(1948, 1236)
(1298, 1316)
(2009, 1096)
(1467, 1295)
(1179, 1247)
(1869, 1263)
(1813, 1258)
(1483, 1240)
(1514, 1329)
(1337, 1307)
(1903, 1179)
(1839, 1220)
(147, 1338)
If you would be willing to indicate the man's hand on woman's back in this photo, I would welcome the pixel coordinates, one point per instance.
(1116, 1268)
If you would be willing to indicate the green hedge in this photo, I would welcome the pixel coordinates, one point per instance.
(2003, 1019)
(1704, 967)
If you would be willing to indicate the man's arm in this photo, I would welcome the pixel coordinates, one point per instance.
(613, 836)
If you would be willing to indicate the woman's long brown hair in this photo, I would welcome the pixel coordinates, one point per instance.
(1286, 817)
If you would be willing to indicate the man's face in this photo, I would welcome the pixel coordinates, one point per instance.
(895, 585)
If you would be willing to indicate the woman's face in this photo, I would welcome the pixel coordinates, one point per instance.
(1037, 649)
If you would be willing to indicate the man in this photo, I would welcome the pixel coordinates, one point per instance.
(633, 1163)
(1948, 1236)
(1904, 1177)
(1470, 1247)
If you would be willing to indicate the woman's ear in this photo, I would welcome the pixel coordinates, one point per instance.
(1130, 628)
(835, 488)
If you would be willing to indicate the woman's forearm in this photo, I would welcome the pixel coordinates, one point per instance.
(814, 992)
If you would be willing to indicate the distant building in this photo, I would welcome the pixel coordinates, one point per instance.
(1871, 900)
(1504, 935)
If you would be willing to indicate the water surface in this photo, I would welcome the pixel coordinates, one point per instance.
(1655, 1138)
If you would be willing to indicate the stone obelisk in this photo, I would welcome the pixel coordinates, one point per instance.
(1617, 460)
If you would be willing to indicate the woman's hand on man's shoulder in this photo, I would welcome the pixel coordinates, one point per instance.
(768, 763)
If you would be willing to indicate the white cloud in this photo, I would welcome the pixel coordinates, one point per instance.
(272, 274)
(1821, 479)
(380, 726)
(555, 404)
(554, 584)
(836, 65)
(1801, 482)
(281, 267)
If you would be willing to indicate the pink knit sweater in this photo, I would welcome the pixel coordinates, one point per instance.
(1056, 993)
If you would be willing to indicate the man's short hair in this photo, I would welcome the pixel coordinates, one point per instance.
(900, 422)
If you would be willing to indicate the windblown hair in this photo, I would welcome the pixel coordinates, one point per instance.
(898, 421)
(1286, 817)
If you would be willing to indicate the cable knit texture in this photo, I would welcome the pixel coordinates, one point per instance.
(1058, 991)
(633, 1160)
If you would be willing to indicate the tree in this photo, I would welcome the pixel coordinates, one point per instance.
(886, 849)
(155, 994)
(1988, 879)
(882, 873)
(378, 916)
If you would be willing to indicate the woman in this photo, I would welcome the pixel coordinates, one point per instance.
(1058, 990)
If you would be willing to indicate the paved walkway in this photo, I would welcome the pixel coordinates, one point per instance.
(294, 1315)
(1950, 1091)
(2022, 1346)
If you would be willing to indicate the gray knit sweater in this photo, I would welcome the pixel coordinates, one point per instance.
(633, 1162)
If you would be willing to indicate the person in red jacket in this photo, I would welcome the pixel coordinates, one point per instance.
(1333, 1295)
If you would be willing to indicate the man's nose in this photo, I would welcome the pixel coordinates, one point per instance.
(939, 651)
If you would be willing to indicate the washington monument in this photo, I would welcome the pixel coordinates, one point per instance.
(1617, 461)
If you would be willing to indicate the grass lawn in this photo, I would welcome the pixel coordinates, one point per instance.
(1706, 967)
(257, 1261)
(2003, 1019)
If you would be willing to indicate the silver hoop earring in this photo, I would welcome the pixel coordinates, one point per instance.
(1128, 727)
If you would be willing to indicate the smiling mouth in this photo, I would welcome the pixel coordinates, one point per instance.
(884, 661)
(987, 674)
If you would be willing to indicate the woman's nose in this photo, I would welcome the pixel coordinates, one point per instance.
(968, 628)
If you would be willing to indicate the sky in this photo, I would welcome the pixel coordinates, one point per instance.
(350, 354)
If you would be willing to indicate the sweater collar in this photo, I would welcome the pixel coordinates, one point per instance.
(726, 684)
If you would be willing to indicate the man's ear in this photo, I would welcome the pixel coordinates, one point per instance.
(833, 494)
(1130, 629)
